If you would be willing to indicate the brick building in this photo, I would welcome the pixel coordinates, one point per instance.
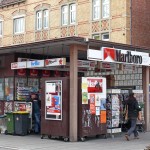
(124, 21)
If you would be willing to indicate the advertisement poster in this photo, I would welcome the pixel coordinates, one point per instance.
(54, 107)
(51, 87)
(8, 107)
(53, 100)
(103, 104)
(48, 99)
(103, 117)
(97, 111)
(84, 98)
(97, 100)
(94, 96)
(92, 103)
(23, 106)
(95, 85)
(84, 87)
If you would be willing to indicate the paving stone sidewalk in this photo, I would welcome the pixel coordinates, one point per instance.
(34, 142)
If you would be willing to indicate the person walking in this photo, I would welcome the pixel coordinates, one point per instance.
(132, 112)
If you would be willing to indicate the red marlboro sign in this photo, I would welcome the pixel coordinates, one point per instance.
(21, 72)
(45, 73)
(33, 72)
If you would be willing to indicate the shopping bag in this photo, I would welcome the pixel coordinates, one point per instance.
(140, 115)
(126, 113)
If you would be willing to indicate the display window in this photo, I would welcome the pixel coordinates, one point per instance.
(9, 89)
(1, 88)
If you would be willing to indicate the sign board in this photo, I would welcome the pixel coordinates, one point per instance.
(113, 55)
(137, 91)
(19, 65)
(127, 67)
(111, 66)
(55, 62)
(124, 56)
(94, 55)
(114, 91)
(86, 64)
(35, 63)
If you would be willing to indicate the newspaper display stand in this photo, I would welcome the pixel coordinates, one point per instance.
(113, 111)
(92, 107)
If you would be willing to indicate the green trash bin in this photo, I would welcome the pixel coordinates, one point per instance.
(10, 123)
(21, 120)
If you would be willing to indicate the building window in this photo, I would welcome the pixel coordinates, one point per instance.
(64, 15)
(105, 37)
(1, 28)
(19, 25)
(68, 14)
(96, 36)
(96, 9)
(45, 20)
(42, 19)
(39, 20)
(105, 8)
(72, 13)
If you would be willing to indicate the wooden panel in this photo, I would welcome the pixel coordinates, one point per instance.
(56, 127)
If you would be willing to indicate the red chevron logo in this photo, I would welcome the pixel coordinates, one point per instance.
(109, 52)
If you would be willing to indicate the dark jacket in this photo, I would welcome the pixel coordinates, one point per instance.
(36, 106)
(133, 108)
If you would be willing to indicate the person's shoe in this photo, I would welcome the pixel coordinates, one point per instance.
(136, 137)
(127, 137)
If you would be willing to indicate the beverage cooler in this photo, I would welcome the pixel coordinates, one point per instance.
(91, 107)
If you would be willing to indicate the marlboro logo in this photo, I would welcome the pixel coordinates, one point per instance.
(112, 55)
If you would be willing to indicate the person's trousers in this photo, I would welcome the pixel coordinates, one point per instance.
(37, 124)
(133, 128)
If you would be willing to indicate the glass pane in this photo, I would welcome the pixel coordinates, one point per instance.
(45, 21)
(18, 25)
(0, 27)
(9, 89)
(39, 20)
(33, 83)
(105, 8)
(1, 88)
(72, 13)
(64, 15)
(96, 9)
(20, 92)
(96, 37)
(105, 37)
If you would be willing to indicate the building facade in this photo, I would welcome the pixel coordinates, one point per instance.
(118, 21)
